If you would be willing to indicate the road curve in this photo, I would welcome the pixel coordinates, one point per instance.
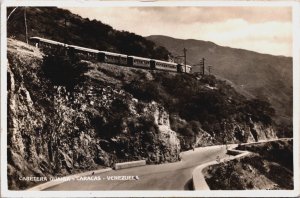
(169, 176)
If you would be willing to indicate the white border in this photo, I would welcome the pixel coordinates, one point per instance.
(107, 3)
(220, 193)
(296, 94)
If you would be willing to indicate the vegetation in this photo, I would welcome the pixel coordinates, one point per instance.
(280, 151)
(252, 74)
(49, 22)
(269, 167)
(77, 122)
(63, 70)
(204, 102)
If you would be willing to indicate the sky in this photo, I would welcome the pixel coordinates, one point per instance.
(261, 29)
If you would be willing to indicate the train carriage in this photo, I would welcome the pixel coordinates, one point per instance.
(41, 42)
(85, 52)
(164, 65)
(47, 44)
(187, 70)
(109, 57)
(135, 61)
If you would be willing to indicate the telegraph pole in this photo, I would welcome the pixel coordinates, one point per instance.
(66, 29)
(203, 66)
(209, 69)
(184, 54)
(25, 21)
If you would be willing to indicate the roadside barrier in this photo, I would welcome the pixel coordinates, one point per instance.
(130, 164)
(199, 182)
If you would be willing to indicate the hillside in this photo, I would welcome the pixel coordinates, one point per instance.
(269, 167)
(67, 116)
(251, 74)
(61, 25)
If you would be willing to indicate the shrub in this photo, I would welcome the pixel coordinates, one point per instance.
(146, 91)
(259, 111)
(62, 70)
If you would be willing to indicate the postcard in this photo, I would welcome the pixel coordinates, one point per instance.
(159, 98)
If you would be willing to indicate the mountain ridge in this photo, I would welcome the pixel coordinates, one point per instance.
(213, 43)
(63, 26)
(265, 76)
(115, 114)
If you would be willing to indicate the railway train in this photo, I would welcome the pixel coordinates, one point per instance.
(110, 57)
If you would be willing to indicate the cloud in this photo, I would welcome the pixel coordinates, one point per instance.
(261, 29)
(217, 14)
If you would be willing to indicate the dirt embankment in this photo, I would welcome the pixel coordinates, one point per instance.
(270, 167)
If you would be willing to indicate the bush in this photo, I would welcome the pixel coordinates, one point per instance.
(259, 111)
(146, 91)
(63, 71)
(284, 130)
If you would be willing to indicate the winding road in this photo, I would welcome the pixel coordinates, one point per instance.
(169, 176)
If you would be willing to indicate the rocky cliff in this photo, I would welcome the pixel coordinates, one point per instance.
(55, 132)
(116, 114)
(269, 166)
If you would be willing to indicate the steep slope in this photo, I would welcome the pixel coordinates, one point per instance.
(61, 25)
(54, 132)
(252, 74)
(113, 114)
(269, 167)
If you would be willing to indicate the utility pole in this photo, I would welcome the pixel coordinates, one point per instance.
(25, 21)
(184, 54)
(203, 65)
(66, 29)
(209, 69)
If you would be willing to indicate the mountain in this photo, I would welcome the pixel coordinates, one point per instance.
(252, 74)
(64, 26)
(67, 116)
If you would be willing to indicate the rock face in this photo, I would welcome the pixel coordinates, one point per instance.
(168, 136)
(269, 166)
(53, 132)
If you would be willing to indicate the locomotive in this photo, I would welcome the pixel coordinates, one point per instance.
(111, 57)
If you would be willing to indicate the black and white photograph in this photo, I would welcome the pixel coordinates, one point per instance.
(174, 97)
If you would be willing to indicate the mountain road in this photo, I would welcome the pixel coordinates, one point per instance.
(168, 176)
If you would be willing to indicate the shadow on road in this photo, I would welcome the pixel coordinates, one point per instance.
(189, 185)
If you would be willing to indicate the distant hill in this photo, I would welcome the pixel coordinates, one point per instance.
(64, 26)
(252, 74)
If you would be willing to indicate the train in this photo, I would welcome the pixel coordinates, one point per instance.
(111, 57)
